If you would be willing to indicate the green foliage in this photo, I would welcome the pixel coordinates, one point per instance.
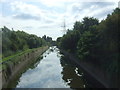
(89, 22)
(85, 25)
(95, 42)
(109, 41)
(16, 41)
(48, 40)
(69, 41)
(86, 45)
(101, 45)
(78, 25)
(58, 41)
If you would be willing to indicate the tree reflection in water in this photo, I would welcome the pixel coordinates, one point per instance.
(73, 79)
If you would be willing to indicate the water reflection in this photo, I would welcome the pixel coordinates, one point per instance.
(70, 74)
(47, 73)
(35, 63)
(53, 71)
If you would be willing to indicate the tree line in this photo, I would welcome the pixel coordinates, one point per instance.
(94, 41)
(17, 41)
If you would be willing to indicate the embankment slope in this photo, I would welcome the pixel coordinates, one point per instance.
(16, 68)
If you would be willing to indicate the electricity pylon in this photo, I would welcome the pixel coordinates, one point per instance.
(64, 27)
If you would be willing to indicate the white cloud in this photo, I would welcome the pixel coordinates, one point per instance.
(23, 9)
(57, 3)
(3, 0)
(77, 11)
(33, 18)
(28, 11)
(61, 2)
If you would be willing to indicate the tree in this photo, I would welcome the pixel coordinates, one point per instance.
(70, 40)
(89, 22)
(15, 41)
(44, 37)
(86, 45)
(78, 26)
(97, 43)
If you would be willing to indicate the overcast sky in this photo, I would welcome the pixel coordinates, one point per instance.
(45, 17)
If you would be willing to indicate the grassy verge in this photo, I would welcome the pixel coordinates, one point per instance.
(14, 58)
(15, 55)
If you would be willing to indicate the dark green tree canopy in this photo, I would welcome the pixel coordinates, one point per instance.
(15, 41)
(94, 42)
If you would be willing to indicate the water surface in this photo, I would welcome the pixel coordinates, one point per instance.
(52, 71)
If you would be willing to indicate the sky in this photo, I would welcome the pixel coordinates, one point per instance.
(46, 17)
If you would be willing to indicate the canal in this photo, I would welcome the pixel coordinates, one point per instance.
(52, 71)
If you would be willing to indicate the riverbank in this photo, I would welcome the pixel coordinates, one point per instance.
(94, 74)
(14, 69)
(51, 71)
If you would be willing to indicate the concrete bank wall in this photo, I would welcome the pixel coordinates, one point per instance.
(95, 75)
(16, 68)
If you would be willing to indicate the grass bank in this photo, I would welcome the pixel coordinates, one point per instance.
(15, 58)
(14, 65)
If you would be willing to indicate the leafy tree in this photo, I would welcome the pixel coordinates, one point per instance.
(70, 40)
(78, 26)
(96, 42)
(48, 39)
(15, 41)
(58, 41)
(88, 22)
